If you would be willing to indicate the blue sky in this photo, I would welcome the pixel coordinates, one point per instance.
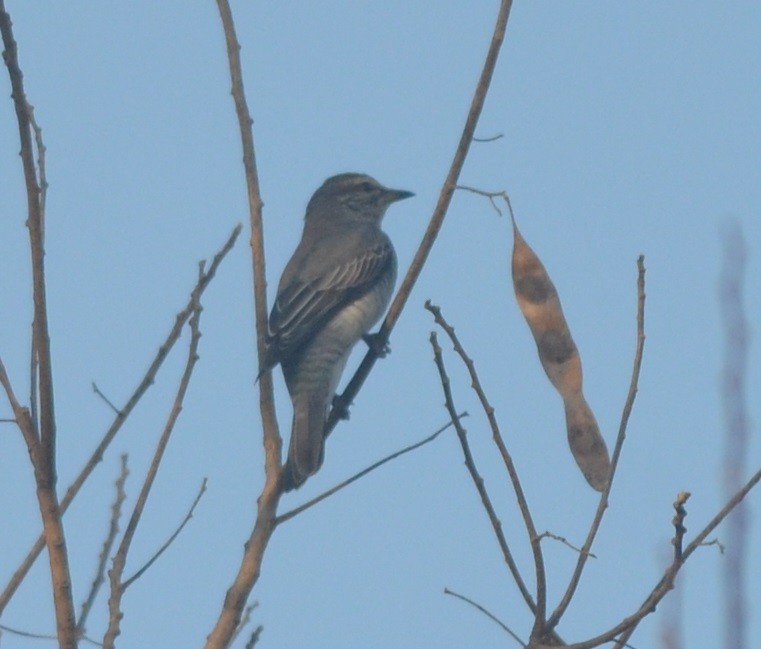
(628, 129)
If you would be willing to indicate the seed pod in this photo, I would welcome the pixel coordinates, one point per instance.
(540, 305)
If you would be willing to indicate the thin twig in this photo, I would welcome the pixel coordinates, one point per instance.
(310, 503)
(43, 454)
(564, 541)
(148, 379)
(250, 566)
(437, 219)
(105, 553)
(107, 401)
(41, 636)
(488, 614)
(492, 138)
(128, 582)
(603, 504)
(41, 150)
(255, 635)
(477, 479)
(528, 521)
(490, 195)
(717, 543)
(120, 558)
(678, 523)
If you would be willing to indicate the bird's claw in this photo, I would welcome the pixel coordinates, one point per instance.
(341, 407)
(379, 347)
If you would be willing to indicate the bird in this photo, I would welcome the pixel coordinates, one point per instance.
(333, 290)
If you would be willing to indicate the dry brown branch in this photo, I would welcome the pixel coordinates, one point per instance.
(490, 195)
(118, 586)
(248, 572)
(487, 613)
(165, 546)
(564, 541)
(528, 521)
(717, 543)
(105, 553)
(147, 380)
(312, 502)
(477, 479)
(603, 504)
(104, 398)
(42, 452)
(437, 219)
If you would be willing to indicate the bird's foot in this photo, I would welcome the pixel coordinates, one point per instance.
(379, 347)
(341, 407)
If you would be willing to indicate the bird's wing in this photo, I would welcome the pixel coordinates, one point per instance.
(306, 303)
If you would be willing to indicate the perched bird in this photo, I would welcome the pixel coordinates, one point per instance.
(333, 290)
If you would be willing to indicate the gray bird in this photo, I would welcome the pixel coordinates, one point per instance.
(336, 286)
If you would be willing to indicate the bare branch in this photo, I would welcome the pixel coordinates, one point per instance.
(128, 582)
(487, 613)
(490, 195)
(624, 629)
(105, 553)
(107, 401)
(715, 542)
(42, 454)
(478, 481)
(437, 219)
(528, 521)
(564, 541)
(120, 558)
(603, 504)
(147, 380)
(310, 503)
(40, 636)
(248, 572)
(678, 523)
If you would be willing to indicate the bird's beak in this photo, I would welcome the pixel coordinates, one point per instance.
(394, 195)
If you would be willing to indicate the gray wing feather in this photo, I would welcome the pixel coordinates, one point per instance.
(303, 306)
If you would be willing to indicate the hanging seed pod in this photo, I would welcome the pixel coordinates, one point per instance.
(540, 305)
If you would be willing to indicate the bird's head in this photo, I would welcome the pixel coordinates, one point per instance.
(355, 196)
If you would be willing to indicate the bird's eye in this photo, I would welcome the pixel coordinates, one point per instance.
(366, 187)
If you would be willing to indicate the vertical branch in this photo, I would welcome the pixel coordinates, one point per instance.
(478, 481)
(272, 440)
(528, 521)
(437, 219)
(603, 504)
(113, 530)
(42, 451)
(736, 430)
(248, 572)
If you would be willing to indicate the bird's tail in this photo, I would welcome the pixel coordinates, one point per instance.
(305, 452)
